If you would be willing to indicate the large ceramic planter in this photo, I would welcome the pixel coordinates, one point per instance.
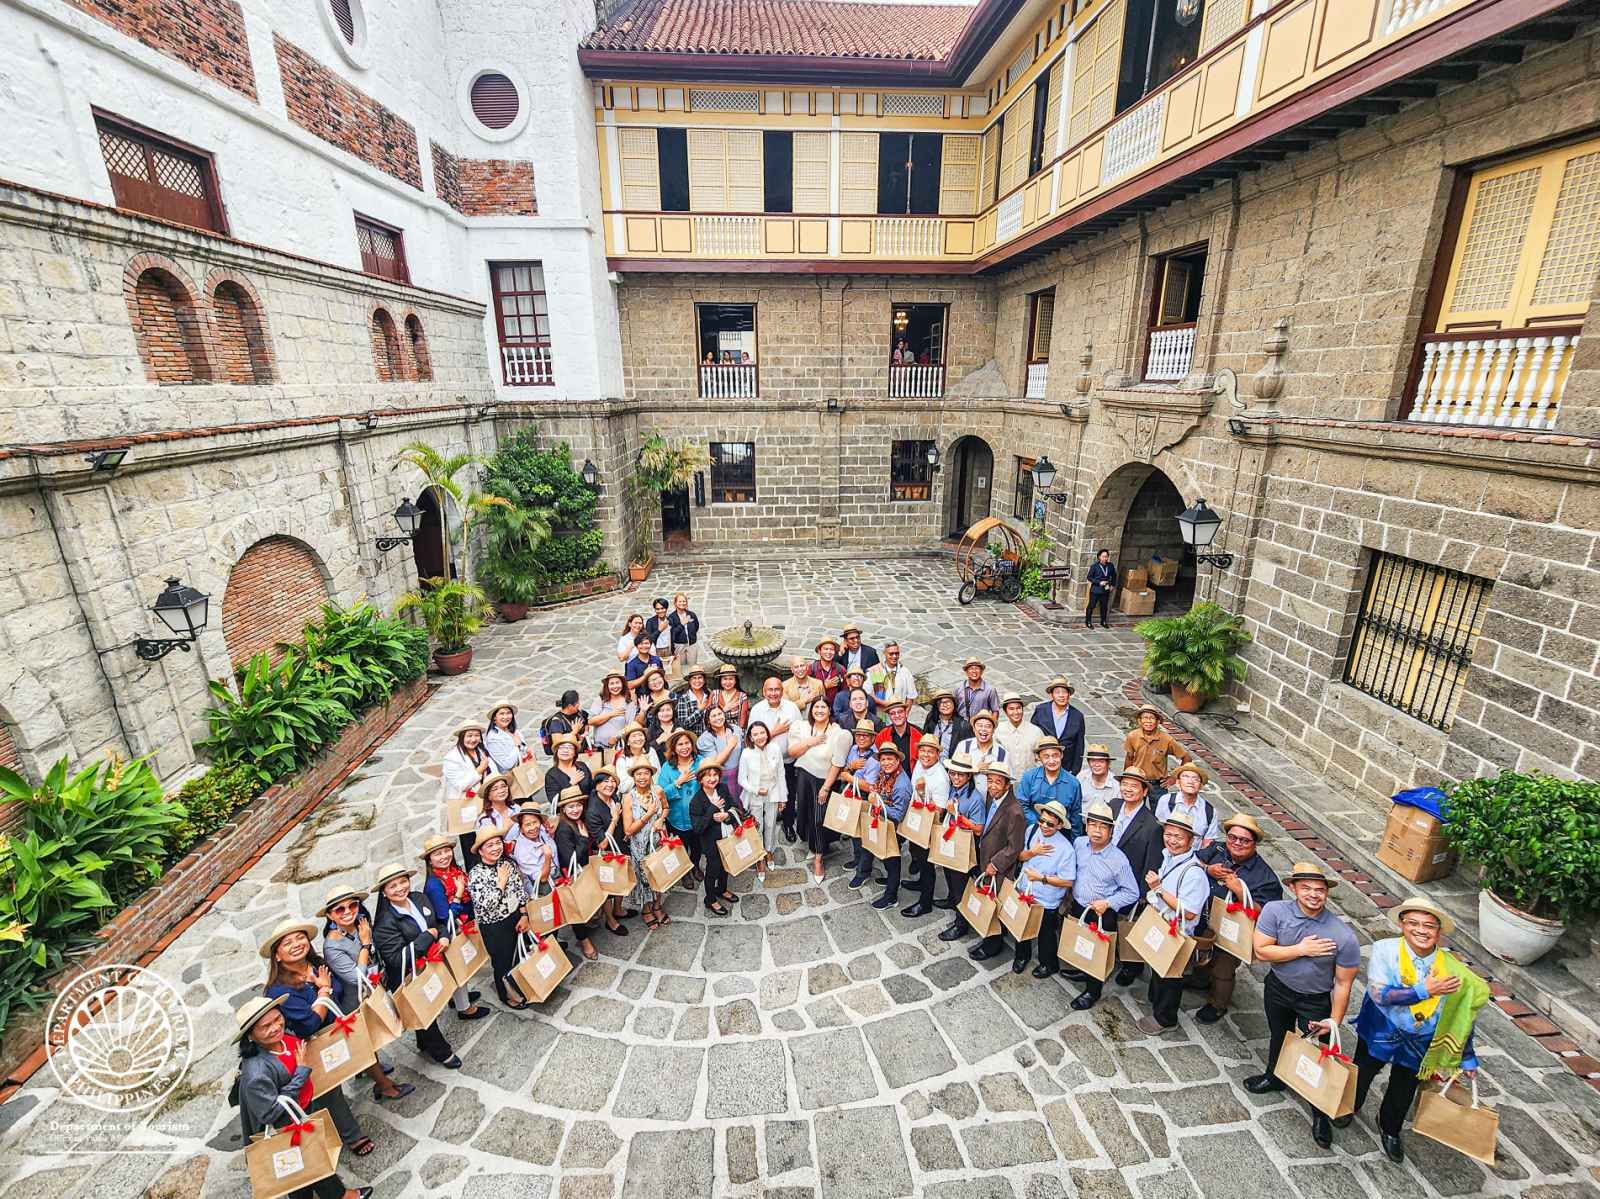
(1185, 700)
(511, 613)
(1512, 934)
(638, 572)
(455, 663)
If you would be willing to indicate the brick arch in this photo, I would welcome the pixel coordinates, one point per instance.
(388, 357)
(170, 326)
(1111, 522)
(239, 324)
(277, 586)
(417, 343)
(33, 732)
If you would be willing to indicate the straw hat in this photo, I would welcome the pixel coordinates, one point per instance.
(603, 771)
(562, 739)
(490, 779)
(1100, 810)
(930, 743)
(1421, 903)
(1150, 708)
(856, 669)
(635, 764)
(1310, 872)
(630, 727)
(653, 670)
(726, 669)
(491, 833)
(337, 896)
(676, 734)
(984, 714)
(527, 810)
(1011, 697)
(1056, 810)
(865, 726)
(848, 629)
(1205, 775)
(505, 703)
(942, 693)
(1133, 772)
(895, 703)
(694, 669)
(999, 768)
(890, 750)
(960, 763)
(1179, 820)
(251, 1011)
(437, 841)
(828, 641)
(1058, 681)
(391, 870)
(972, 662)
(1097, 750)
(665, 701)
(466, 726)
(570, 795)
(1247, 822)
(707, 768)
(612, 674)
(1046, 743)
(283, 928)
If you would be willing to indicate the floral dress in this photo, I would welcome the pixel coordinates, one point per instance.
(643, 842)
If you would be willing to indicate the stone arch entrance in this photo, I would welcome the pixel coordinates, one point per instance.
(427, 549)
(276, 587)
(1134, 515)
(971, 484)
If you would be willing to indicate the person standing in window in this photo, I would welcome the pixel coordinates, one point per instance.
(1102, 584)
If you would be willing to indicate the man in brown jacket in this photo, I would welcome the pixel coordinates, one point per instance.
(1004, 827)
(1148, 747)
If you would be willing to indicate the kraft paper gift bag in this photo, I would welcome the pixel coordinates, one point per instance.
(593, 759)
(339, 1052)
(614, 870)
(1021, 913)
(579, 890)
(465, 955)
(980, 907)
(1233, 926)
(742, 848)
(461, 812)
(527, 778)
(919, 824)
(427, 988)
(377, 1009)
(1447, 1116)
(845, 809)
(1320, 1074)
(877, 834)
(304, 1151)
(1089, 948)
(953, 846)
(1160, 944)
(541, 965)
(665, 866)
(544, 911)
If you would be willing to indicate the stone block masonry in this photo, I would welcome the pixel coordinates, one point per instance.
(484, 186)
(207, 35)
(322, 103)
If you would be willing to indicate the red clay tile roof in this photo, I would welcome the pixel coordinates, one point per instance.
(821, 28)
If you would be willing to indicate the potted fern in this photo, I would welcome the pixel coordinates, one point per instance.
(661, 466)
(1195, 656)
(453, 613)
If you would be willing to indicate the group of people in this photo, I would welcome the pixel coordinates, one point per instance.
(648, 763)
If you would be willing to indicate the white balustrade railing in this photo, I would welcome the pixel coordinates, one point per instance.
(1008, 217)
(527, 366)
(908, 237)
(1038, 379)
(1408, 12)
(916, 382)
(1135, 139)
(1171, 352)
(728, 381)
(1494, 379)
(727, 236)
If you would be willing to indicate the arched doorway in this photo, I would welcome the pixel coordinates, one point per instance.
(1135, 516)
(971, 483)
(427, 548)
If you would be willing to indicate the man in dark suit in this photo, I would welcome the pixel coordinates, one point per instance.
(853, 652)
(1102, 586)
(1056, 717)
(1004, 827)
(1137, 834)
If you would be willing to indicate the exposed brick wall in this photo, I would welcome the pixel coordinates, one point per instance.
(320, 102)
(10, 813)
(243, 355)
(274, 590)
(387, 358)
(421, 364)
(484, 186)
(171, 332)
(207, 35)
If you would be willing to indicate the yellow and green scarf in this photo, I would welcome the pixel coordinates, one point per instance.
(1457, 1011)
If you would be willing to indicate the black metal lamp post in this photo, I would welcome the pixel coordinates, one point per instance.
(1044, 476)
(408, 516)
(183, 610)
(1199, 525)
(590, 474)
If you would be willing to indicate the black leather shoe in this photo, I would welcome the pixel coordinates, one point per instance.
(1126, 975)
(948, 904)
(1321, 1130)
(1073, 974)
(1344, 1121)
(1393, 1149)
(1209, 1014)
(1263, 1084)
(915, 911)
(954, 932)
(453, 1064)
(475, 1012)
(981, 952)
(1018, 967)
(1084, 1002)
(1043, 971)
(885, 902)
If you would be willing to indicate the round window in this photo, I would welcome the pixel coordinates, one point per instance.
(494, 100)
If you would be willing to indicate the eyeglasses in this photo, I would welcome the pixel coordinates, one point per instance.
(1240, 839)
(340, 908)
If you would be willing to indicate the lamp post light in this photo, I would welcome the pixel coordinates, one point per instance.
(590, 474)
(106, 461)
(183, 610)
(408, 516)
(933, 457)
(1199, 525)
(1044, 476)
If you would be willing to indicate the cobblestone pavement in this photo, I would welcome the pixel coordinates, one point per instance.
(807, 1046)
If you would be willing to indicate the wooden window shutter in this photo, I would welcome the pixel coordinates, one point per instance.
(494, 100)
(1044, 315)
(745, 173)
(958, 176)
(1175, 276)
(1526, 253)
(1018, 127)
(345, 19)
(991, 162)
(641, 170)
(1052, 112)
(1094, 74)
(858, 172)
(813, 174)
(708, 170)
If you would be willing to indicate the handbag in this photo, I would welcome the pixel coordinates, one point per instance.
(465, 955)
(844, 812)
(979, 907)
(424, 993)
(527, 777)
(742, 848)
(303, 1151)
(339, 1052)
(1090, 948)
(1233, 925)
(544, 911)
(955, 849)
(615, 871)
(665, 865)
(580, 891)
(1320, 1074)
(877, 834)
(540, 967)
(1021, 913)
(377, 1009)
(461, 813)
(919, 824)
(1443, 1117)
(1159, 944)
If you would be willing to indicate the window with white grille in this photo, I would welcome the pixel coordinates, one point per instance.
(710, 99)
(910, 104)
(522, 321)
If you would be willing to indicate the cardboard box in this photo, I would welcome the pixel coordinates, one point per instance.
(1136, 603)
(1137, 578)
(1414, 845)
(1163, 572)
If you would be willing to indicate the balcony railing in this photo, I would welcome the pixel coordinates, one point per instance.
(728, 381)
(728, 236)
(908, 237)
(1509, 377)
(527, 366)
(1038, 379)
(1171, 352)
(916, 382)
(1409, 12)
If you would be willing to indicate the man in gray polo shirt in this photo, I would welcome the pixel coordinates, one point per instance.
(1313, 957)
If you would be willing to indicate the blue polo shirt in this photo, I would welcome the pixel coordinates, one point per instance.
(1035, 789)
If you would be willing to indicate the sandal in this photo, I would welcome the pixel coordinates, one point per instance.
(591, 955)
(651, 921)
(362, 1146)
(401, 1090)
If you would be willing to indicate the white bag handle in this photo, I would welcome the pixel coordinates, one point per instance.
(1333, 1038)
(297, 1114)
(337, 1010)
(1451, 1081)
(1249, 899)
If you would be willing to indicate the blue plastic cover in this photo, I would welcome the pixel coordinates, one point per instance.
(1429, 799)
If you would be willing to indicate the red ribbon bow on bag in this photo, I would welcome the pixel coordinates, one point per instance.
(470, 793)
(561, 880)
(1027, 897)
(1327, 1051)
(1172, 927)
(1233, 907)
(466, 926)
(613, 857)
(374, 976)
(1103, 936)
(874, 817)
(749, 823)
(671, 842)
(345, 1024)
(956, 822)
(434, 954)
(296, 1130)
(918, 805)
(538, 941)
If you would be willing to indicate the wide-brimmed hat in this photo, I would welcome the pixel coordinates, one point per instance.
(1421, 903)
(436, 841)
(1056, 810)
(666, 701)
(1133, 772)
(636, 763)
(997, 767)
(1058, 681)
(942, 693)
(706, 767)
(694, 668)
(890, 749)
(1150, 708)
(466, 726)
(1247, 822)
(1096, 750)
(572, 794)
(250, 1012)
(388, 871)
(848, 629)
(972, 662)
(1181, 820)
(1046, 743)
(1310, 872)
(833, 641)
(612, 674)
(526, 810)
(603, 769)
(984, 714)
(856, 669)
(338, 895)
(629, 727)
(562, 739)
(726, 669)
(677, 732)
(495, 707)
(489, 833)
(961, 764)
(283, 928)
(865, 726)
(498, 776)
(1205, 775)
(896, 703)
(930, 743)
(1011, 697)
(1100, 810)
(650, 670)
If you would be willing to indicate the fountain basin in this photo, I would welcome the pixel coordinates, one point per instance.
(749, 648)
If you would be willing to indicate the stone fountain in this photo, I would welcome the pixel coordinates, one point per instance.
(750, 648)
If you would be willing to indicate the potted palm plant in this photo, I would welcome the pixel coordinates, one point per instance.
(661, 466)
(453, 613)
(1536, 840)
(440, 471)
(1195, 655)
(510, 567)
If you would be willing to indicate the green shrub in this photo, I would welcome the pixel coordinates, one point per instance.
(1034, 550)
(1536, 837)
(552, 538)
(364, 650)
(281, 717)
(1197, 650)
(453, 612)
(208, 801)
